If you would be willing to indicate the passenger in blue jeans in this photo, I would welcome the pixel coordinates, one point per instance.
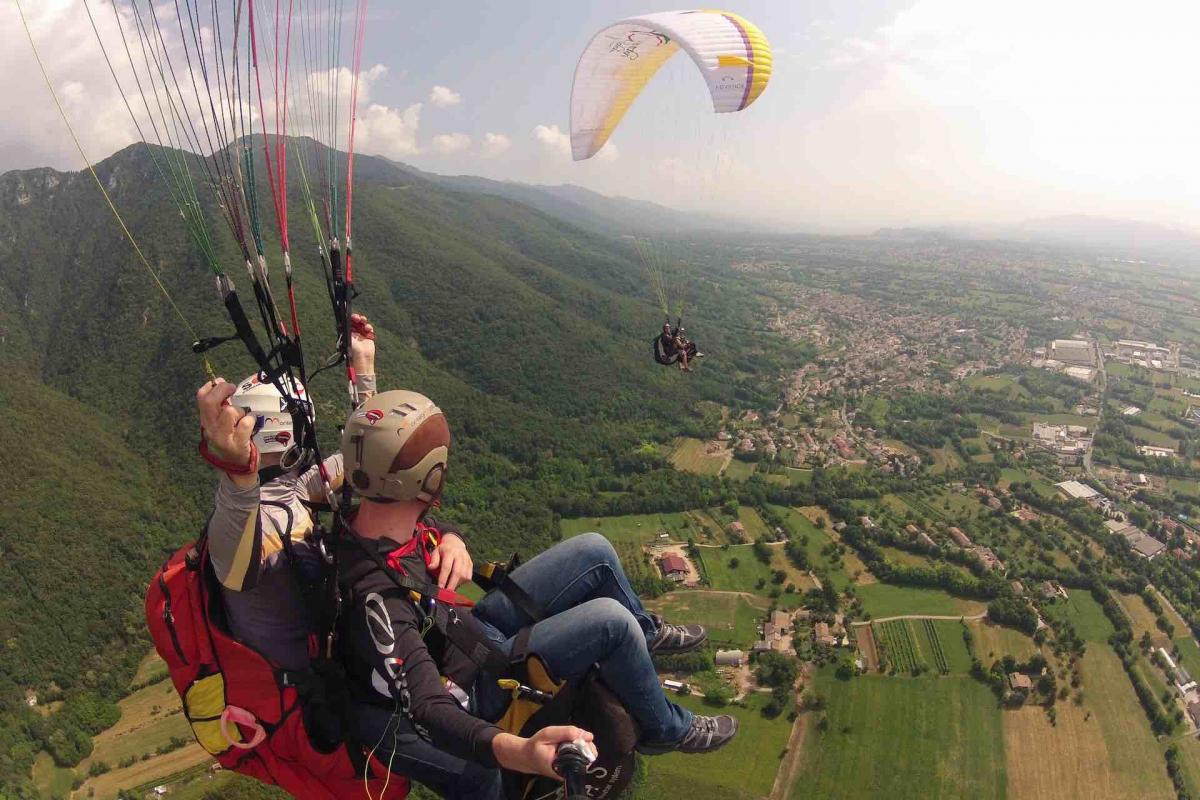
(415, 706)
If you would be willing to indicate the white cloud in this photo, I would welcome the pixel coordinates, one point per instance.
(495, 144)
(387, 131)
(450, 143)
(607, 153)
(554, 139)
(444, 97)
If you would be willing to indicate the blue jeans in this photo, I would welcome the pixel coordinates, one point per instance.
(593, 616)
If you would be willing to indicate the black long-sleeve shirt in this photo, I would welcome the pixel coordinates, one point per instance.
(385, 651)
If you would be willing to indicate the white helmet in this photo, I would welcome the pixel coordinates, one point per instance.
(273, 432)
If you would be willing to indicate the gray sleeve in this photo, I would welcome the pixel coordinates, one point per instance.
(235, 535)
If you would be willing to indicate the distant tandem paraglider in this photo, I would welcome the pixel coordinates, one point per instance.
(672, 347)
(734, 59)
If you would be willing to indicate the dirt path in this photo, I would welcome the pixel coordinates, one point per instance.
(968, 617)
(789, 766)
(864, 638)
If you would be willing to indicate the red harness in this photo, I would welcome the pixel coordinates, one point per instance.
(243, 709)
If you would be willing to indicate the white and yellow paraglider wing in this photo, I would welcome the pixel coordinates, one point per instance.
(731, 53)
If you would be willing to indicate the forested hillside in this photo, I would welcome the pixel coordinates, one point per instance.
(532, 333)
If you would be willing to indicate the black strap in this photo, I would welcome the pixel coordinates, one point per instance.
(467, 638)
(499, 577)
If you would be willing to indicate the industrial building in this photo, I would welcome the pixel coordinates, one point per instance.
(1075, 352)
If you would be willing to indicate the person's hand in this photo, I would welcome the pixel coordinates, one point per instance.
(451, 562)
(227, 430)
(362, 345)
(535, 755)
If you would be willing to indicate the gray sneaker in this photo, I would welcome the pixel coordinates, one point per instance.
(669, 639)
(705, 735)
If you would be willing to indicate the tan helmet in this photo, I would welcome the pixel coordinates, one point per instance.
(395, 447)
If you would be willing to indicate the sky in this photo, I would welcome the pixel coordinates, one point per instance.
(879, 112)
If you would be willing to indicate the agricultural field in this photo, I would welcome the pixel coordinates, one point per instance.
(944, 460)
(743, 770)
(993, 642)
(739, 470)
(1102, 750)
(1188, 650)
(730, 618)
(1011, 475)
(639, 528)
(888, 600)
(150, 718)
(998, 383)
(755, 527)
(690, 455)
(802, 526)
(860, 755)
(1143, 618)
(1084, 613)
(746, 575)
(908, 644)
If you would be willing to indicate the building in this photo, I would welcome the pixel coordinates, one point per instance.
(1020, 682)
(1051, 590)
(674, 568)
(1147, 354)
(730, 658)
(1085, 374)
(1193, 710)
(737, 529)
(782, 621)
(1183, 681)
(989, 559)
(1076, 490)
(822, 635)
(1150, 451)
(924, 540)
(674, 686)
(1138, 540)
(1017, 587)
(1076, 352)
(1147, 546)
(958, 536)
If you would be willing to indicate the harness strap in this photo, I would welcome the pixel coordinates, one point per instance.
(496, 576)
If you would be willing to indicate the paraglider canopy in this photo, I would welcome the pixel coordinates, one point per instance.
(732, 55)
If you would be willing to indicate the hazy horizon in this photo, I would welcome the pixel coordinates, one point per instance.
(887, 114)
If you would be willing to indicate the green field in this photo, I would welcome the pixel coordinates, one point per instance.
(887, 600)
(801, 526)
(755, 527)
(993, 642)
(739, 470)
(944, 460)
(640, 528)
(871, 749)
(730, 618)
(1085, 614)
(745, 576)
(1011, 475)
(743, 770)
(689, 455)
(934, 644)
